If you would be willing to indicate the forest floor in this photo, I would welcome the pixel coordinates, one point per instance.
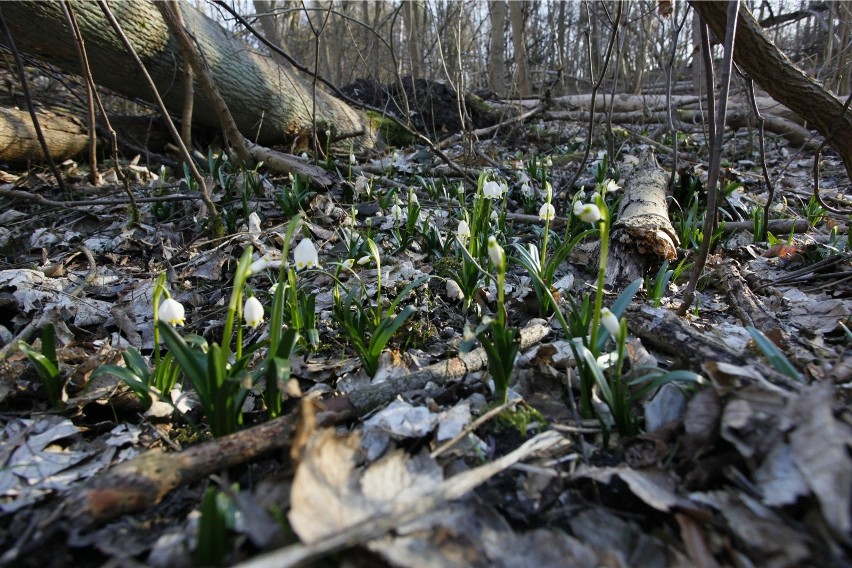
(747, 466)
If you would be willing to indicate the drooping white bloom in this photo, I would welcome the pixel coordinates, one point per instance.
(364, 260)
(548, 162)
(349, 263)
(352, 160)
(463, 230)
(258, 265)
(253, 312)
(306, 255)
(172, 311)
(504, 188)
(587, 212)
(610, 322)
(526, 190)
(396, 212)
(496, 253)
(547, 212)
(611, 186)
(492, 190)
(412, 198)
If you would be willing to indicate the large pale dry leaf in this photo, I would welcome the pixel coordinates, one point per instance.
(655, 487)
(330, 494)
(820, 447)
(778, 478)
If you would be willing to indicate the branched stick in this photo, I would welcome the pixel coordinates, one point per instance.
(595, 86)
(144, 480)
(216, 226)
(761, 134)
(28, 97)
(717, 137)
(170, 11)
(95, 98)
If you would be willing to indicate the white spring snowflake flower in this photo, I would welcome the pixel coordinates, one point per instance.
(172, 311)
(463, 230)
(306, 255)
(547, 212)
(492, 190)
(253, 312)
(610, 322)
(587, 212)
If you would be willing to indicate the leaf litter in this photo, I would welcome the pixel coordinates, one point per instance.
(750, 469)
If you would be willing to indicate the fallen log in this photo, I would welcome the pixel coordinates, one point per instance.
(642, 234)
(65, 137)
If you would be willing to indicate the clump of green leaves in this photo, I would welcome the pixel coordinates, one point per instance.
(370, 328)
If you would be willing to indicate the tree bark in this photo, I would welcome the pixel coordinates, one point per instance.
(522, 76)
(497, 48)
(777, 75)
(270, 103)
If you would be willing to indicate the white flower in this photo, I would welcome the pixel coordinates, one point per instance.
(273, 288)
(526, 190)
(580, 195)
(611, 186)
(548, 162)
(364, 260)
(587, 212)
(172, 311)
(610, 322)
(547, 212)
(463, 230)
(495, 252)
(492, 190)
(305, 255)
(396, 212)
(258, 265)
(352, 160)
(253, 312)
(504, 188)
(305, 156)
(412, 198)
(349, 263)
(494, 215)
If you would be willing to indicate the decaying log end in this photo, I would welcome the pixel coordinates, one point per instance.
(642, 235)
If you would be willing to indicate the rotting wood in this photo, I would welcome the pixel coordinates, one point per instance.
(145, 480)
(642, 234)
(290, 164)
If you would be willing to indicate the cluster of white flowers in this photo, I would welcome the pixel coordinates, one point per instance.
(494, 190)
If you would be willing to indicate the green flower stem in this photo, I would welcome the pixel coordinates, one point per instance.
(596, 315)
(240, 277)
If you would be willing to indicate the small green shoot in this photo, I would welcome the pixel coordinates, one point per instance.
(46, 365)
(774, 355)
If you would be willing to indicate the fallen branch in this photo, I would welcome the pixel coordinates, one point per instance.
(145, 480)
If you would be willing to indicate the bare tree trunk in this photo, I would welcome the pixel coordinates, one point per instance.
(413, 39)
(522, 76)
(497, 48)
(267, 100)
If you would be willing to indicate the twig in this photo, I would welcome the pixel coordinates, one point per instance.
(216, 226)
(28, 97)
(41, 200)
(761, 140)
(717, 137)
(144, 480)
(467, 430)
